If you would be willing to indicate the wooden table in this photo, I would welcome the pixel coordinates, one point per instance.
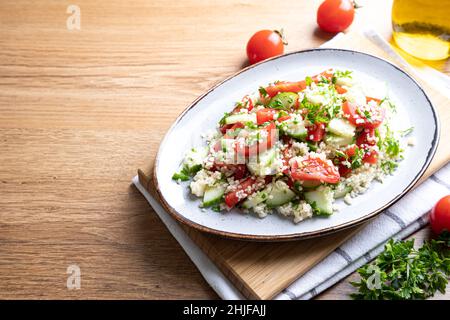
(81, 110)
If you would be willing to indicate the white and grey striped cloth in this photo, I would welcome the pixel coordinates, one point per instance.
(399, 221)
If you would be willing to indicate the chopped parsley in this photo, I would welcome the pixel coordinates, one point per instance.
(225, 115)
(341, 74)
(403, 272)
(316, 114)
(406, 132)
(390, 145)
(308, 81)
(263, 92)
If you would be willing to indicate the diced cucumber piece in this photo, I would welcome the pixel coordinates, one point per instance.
(263, 164)
(283, 100)
(341, 127)
(280, 194)
(256, 199)
(193, 159)
(338, 141)
(213, 195)
(321, 200)
(241, 117)
(341, 190)
(294, 127)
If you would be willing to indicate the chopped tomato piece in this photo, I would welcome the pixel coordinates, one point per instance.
(365, 116)
(339, 89)
(243, 190)
(366, 138)
(284, 118)
(316, 132)
(265, 115)
(344, 170)
(315, 169)
(285, 86)
(225, 127)
(239, 170)
(371, 156)
(368, 99)
(327, 74)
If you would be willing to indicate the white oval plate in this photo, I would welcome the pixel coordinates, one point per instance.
(413, 107)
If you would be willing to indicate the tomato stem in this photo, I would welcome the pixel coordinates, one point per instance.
(281, 34)
(356, 5)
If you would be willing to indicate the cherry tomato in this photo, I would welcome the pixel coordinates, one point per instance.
(265, 115)
(344, 170)
(371, 156)
(285, 86)
(339, 89)
(264, 44)
(327, 74)
(335, 15)
(231, 198)
(248, 186)
(316, 132)
(239, 170)
(314, 169)
(366, 138)
(366, 116)
(440, 216)
(368, 99)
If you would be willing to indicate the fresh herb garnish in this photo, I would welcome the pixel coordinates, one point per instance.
(263, 91)
(186, 173)
(403, 272)
(225, 115)
(390, 145)
(406, 132)
(341, 74)
(388, 166)
(316, 114)
(308, 81)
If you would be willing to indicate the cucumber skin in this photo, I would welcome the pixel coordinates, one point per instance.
(216, 200)
(312, 197)
(245, 117)
(338, 141)
(342, 193)
(260, 197)
(341, 127)
(285, 99)
(281, 194)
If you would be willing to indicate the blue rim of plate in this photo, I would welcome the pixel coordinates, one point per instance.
(301, 235)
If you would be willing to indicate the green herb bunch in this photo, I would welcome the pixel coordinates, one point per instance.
(402, 272)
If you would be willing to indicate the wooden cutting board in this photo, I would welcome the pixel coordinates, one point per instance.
(262, 270)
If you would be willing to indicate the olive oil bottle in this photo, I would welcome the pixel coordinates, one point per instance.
(422, 27)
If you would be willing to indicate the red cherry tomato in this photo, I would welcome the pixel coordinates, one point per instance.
(440, 216)
(316, 132)
(366, 138)
(371, 157)
(232, 198)
(314, 169)
(265, 115)
(264, 44)
(339, 89)
(357, 115)
(335, 15)
(285, 86)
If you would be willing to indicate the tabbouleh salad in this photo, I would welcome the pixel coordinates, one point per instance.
(295, 147)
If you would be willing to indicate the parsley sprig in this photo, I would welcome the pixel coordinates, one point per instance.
(404, 272)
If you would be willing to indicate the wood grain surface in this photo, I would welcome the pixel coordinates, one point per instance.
(81, 110)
